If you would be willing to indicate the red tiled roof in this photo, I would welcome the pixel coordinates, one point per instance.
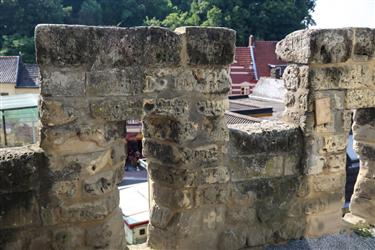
(264, 53)
(8, 69)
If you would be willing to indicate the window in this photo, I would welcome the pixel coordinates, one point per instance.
(3, 94)
(245, 90)
(142, 231)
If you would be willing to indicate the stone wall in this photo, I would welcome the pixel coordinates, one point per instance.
(211, 187)
(331, 75)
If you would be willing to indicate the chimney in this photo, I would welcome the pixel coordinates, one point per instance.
(251, 40)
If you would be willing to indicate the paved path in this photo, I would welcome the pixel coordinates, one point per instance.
(333, 242)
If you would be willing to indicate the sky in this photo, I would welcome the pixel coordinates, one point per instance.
(344, 13)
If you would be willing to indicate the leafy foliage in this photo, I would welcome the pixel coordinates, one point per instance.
(266, 19)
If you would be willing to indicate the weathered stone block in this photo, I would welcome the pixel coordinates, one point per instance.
(107, 235)
(316, 46)
(105, 47)
(172, 198)
(232, 239)
(296, 77)
(267, 136)
(20, 168)
(352, 76)
(323, 224)
(361, 98)
(334, 143)
(83, 212)
(129, 81)
(68, 238)
(256, 166)
(100, 184)
(365, 116)
(366, 151)
(363, 207)
(333, 182)
(168, 107)
(212, 108)
(63, 81)
(82, 139)
(208, 46)
(208, 81)
(212, 194)
(364, 45)
(323, 112)
(170, 129)
(19, 210)
(116, 109)
(161, 216)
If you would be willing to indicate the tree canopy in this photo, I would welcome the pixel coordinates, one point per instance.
(265, 19)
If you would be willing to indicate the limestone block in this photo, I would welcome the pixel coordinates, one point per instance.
(242, 198)
(187, 177)
(336, 162)
(66, 190)
(332, 182)
(201, 80)
(116, 109)
(316, 46)
(105, 47)
(364, 45)
(170, 129)
(54, 113)
(323, 113)
(365, 188)
(128, 81)
(75, 140)
(296, 77)
(364, 150)
(232, 239)
(169, 107)
(323, 203)
(100, 184)
(323, 224)
(352, 221)
(241, 215)
(356, 99)
(352, 76)
(365, 116)
(107, 235)
(19, 210)
(163, 152)
(173, 198)
(314, 159)
(95, 210)
(334, 143)
(212, 194)
(363, 207)
(212, 108)
(68, 238)
(169, 154)
(367, 169)
(62, 81)
(267, 136)
(256, 166)
(161, 216)
(258, 236)
(208, 46)
(20, 168)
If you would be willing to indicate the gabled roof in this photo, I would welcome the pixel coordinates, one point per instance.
(13, 70)
(28, 76)
(9, 69)
(264, 53)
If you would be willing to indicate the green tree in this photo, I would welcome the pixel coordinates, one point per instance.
(266, 19)
(19, 45)
(90, 13)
